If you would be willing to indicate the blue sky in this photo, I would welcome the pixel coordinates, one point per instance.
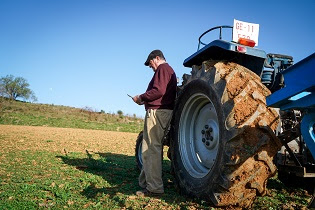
(91, 53)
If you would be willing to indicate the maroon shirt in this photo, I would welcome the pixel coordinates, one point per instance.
(161, 91)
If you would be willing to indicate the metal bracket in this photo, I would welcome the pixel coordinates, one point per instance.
(288, 136)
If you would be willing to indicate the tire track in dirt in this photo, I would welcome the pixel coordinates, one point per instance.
(52, 139)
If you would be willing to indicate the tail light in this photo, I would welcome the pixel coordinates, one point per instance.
(246, 42)
(241, 49)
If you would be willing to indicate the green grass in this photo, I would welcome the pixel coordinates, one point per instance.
(32, 180)
(35, 179)
(281, 197)
(23, 113)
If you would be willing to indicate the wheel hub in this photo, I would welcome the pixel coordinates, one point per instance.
(207, 137)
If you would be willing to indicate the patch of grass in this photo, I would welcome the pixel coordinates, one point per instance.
(39, 179)
(34, 179)
(280, 196)
(23, 113)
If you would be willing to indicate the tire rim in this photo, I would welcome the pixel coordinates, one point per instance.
(198, 135)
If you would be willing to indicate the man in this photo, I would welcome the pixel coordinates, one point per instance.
(159, 102)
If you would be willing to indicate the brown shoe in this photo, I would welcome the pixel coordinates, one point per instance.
(147, 193)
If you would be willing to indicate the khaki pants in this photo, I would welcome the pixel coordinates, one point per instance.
(155, 123)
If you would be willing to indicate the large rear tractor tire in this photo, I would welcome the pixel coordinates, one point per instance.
(222, 140)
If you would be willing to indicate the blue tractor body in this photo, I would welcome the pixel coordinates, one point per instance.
(299, 90)
(299, 94)
(251, 58)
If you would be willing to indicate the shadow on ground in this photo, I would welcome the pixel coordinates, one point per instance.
(121, 172)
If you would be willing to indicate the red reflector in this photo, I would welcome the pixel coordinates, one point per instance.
(246, 42)
(241, 49)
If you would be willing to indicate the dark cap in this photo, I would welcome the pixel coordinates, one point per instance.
(153, 55)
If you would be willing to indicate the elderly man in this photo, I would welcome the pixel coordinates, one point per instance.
(159, 100)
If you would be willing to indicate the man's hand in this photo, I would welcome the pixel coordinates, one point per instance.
(137, 100)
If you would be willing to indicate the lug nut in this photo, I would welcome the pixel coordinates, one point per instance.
(211, 138)
(210, 129)
(203, 131)
(206, 126)
(207, 143)
(203, 140)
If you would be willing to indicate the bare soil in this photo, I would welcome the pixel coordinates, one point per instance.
(65, 140)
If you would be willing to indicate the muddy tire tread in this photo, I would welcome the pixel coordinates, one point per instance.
(246, 163)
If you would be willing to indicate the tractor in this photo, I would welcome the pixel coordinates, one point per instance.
(225, 141)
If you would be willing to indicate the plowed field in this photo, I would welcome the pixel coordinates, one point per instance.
(65, 140)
